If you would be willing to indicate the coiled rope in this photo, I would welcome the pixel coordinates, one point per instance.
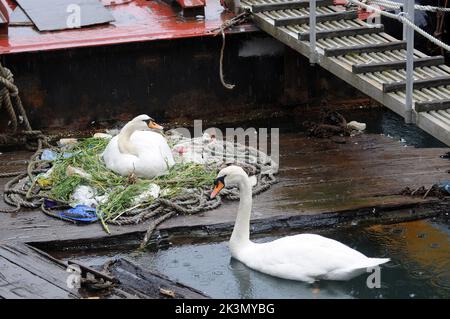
(400, 17)
(32, 139)
(10, 101)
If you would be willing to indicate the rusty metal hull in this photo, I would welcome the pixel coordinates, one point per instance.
(175, 80)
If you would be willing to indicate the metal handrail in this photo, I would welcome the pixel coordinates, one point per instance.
(408, 36)
(409, 9)
(312, 31)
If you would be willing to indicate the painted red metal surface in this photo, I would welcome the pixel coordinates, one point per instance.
(135, 21)
(362, 13)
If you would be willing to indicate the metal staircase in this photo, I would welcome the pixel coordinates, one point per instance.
(363, 55)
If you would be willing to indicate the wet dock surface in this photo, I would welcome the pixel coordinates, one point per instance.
(27, 274)
(321, 182)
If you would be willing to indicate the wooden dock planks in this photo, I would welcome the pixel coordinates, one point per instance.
(147, 284)
(26, 274)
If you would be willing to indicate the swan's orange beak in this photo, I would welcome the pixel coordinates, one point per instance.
(155, 126)
(217, 189)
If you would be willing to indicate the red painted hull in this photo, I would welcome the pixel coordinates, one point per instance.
(136, 21)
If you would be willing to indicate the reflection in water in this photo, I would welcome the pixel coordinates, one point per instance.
(252, 284)
(420, 266)
(242, 278)
(425, 245)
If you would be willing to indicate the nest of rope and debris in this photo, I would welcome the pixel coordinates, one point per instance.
(72, 183)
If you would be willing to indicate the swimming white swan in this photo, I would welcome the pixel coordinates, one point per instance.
(304, 257)
(138, 150)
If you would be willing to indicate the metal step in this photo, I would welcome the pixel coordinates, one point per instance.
(418, 84)
(435, 105)
(396, 65)
(304, 36)
(343, 15)
(379, 47)
(300, 4)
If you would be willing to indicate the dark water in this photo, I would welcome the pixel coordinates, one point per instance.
(419, 267)
(392, 125)
(378, 121)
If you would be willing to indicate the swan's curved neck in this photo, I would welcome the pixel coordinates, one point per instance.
(124, 142)
(241, 230)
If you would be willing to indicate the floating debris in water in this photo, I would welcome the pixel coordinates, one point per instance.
(446, 155)
(354, 125)
(331, 124)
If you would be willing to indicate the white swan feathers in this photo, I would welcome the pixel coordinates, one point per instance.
(138, 150)
(304, 257)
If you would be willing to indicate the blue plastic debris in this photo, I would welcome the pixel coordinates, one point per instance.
(80, 213)
(445, 186)
(48, 203)
(49, 155)
(67, 155)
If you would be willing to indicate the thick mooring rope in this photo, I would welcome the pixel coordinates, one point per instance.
(397, 5)
(16, 193)
(12, 104)
(33, 140)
